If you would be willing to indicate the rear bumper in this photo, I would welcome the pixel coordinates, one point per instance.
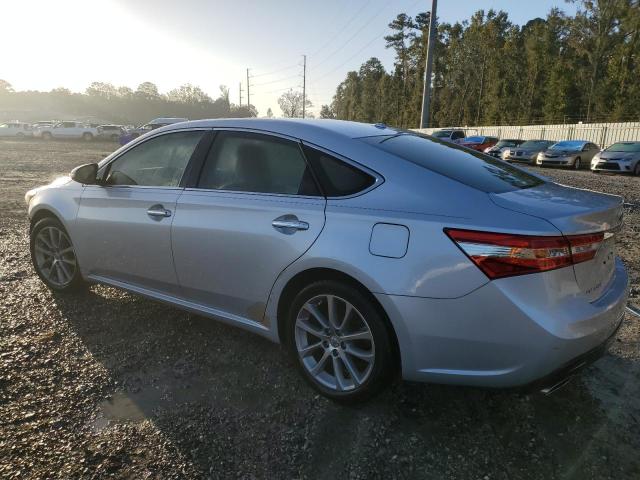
(560, 376)
(509, 332)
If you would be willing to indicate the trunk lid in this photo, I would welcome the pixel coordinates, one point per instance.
(574, 212)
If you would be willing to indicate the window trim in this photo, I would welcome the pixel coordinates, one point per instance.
(203, 144)
(192, 182)
(378, 178)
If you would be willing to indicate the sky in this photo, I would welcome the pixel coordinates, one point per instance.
(209, 43)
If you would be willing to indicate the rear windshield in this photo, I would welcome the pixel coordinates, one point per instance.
(442, 133)
(474, 169)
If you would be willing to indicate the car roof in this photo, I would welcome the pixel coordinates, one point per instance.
(295, 127)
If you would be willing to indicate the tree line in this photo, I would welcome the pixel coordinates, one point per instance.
(490, 71)
(123, 105)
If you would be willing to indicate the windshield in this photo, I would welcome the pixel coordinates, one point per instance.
(624, 147)
(473, 140)
(474, 169)
(568, 145)
(442, 134)
(534, 144)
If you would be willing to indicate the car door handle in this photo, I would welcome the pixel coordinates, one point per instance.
(158, 211)
(289, 224)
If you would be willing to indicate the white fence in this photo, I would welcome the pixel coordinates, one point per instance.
(603, 134)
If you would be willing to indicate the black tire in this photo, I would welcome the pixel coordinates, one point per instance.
(577, 163)
(114, 137)
(46, 136)
(636, 170)
(76, 283)
(384, 366)
(87, 137)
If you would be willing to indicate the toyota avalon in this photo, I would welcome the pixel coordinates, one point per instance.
(366, 250)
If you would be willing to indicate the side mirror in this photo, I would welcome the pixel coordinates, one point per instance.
(85, 174)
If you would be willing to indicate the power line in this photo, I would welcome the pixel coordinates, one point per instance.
(361, 49)
(362, 27)
(275, 81)
(276, 71)
(337, 32)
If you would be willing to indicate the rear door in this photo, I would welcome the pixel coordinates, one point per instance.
(124, 225)
(254, 210)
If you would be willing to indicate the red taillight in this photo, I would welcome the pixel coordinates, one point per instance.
(502, 254)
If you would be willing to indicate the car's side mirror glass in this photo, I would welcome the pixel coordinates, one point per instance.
(85, 174)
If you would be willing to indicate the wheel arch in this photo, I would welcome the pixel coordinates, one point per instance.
(43, 213)
(314, 274)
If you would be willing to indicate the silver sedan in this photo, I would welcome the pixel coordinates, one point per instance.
(621, 157)
(366, 250)
(575, 154)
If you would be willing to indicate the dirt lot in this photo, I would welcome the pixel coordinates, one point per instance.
(108, 384)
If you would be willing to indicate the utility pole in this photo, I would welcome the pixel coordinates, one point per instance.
(240, 88)
(426, 92)
(248, 98)
(304, 84)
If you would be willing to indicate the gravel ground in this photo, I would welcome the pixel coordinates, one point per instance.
(108, 384)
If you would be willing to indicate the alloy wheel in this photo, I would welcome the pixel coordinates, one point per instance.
(334, 343)
(54, 256)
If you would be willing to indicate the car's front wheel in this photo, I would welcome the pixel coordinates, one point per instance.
(87, 137)
(636, 170)
(54, 257)
(577, 163)
(341, 341)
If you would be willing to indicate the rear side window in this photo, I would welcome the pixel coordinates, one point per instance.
(251, 162)
(474, 169)
(337, 178)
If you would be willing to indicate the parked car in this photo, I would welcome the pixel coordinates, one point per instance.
(621, 157)
(67, 130)
(453, 136)
(568, 153)
(15, 130)
(110, 132)
(129, 135)
(321, 235)
(501, 146)
(526, 152)
(478, 142)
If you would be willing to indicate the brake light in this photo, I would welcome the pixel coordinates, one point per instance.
(501, 255)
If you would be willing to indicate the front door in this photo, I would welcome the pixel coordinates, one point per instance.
(124, 225)
(254, 211)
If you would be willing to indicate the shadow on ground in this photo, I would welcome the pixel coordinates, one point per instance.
(233, 402)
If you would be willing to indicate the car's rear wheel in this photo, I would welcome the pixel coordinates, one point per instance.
(87, 137)
(577, 163)
(636, 170)
(53, 256)
(341, 341)
(46, 136)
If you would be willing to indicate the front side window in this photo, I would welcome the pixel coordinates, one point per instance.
(251, 162)
(158, 162)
